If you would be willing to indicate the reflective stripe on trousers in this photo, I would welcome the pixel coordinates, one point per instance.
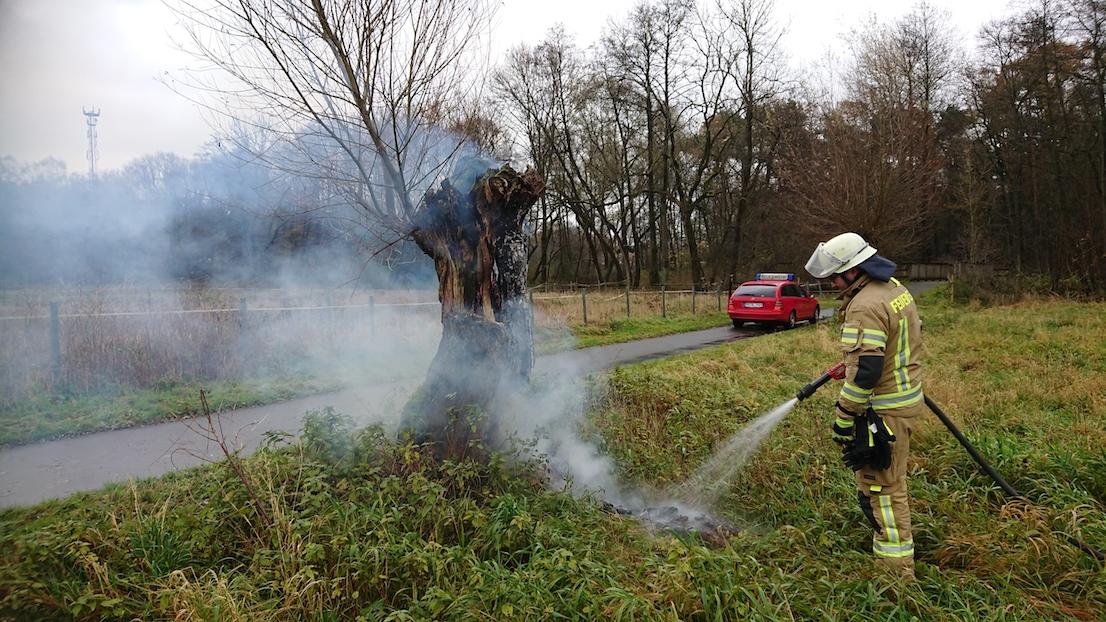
(890, 512)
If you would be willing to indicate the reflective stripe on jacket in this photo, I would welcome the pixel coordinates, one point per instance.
(882, 319)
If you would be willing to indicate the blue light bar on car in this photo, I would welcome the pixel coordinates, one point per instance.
(775, 276)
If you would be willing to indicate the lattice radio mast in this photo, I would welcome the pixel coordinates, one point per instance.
(92, 115)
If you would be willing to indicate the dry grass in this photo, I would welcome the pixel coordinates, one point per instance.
(158, 346)
(603, 305)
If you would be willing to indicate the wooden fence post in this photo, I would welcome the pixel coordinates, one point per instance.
(331, 313)
(664, 303)
(584, 302)
(242, 340)
(720, 299)
(372, 316)
(55, 344)
(627, 298)
(693, 299)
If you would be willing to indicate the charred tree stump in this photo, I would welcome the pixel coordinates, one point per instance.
(478, 246)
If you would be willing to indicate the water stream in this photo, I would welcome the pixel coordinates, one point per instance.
(713, 476)
(687, 505)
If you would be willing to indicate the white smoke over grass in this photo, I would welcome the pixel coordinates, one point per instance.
(125, 253)
(552, 415)
(549, 416)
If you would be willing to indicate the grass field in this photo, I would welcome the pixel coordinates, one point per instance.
(356, 527)
(621, 330)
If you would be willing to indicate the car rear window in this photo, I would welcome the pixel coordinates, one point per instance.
(756, 291)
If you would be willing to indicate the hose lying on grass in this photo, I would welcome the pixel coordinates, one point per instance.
(1007, 488)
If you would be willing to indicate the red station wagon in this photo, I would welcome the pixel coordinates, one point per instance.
(772, 298)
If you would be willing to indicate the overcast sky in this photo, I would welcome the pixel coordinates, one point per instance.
(58, 56)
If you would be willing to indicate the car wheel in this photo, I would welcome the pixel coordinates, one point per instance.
(791, 320)
(817, 315)
(737, 323)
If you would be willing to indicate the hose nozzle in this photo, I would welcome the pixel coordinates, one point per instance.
(837, 371)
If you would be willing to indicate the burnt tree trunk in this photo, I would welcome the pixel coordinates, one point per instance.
(476, 241)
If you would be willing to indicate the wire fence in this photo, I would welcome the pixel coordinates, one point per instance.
(596, 304)
(87, 344)
(92, 339)
(241, 309)
(85, 341)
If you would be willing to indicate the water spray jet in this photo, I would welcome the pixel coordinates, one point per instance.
(682, 511)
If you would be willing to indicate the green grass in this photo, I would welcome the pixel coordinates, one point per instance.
(625, 329)
(1025, 382)
(362, 528)
(55, 416)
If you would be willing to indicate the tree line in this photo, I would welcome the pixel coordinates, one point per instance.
(677, 148)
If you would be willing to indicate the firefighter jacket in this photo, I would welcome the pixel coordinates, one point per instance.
(881, 319)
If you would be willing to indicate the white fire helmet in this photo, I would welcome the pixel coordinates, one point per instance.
(839, 254)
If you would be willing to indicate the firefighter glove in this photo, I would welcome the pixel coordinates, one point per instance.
(871, 446)
(854, 457)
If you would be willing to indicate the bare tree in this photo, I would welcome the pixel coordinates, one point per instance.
(360, 91)
(906, 63)
(758, 78)
(703, 112)
(875, 174)
(578, 120)
(632, 51)
(928, 54)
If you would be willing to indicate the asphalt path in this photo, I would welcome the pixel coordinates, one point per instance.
(54, 469)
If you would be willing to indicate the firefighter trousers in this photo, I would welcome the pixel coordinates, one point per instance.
(883, 498)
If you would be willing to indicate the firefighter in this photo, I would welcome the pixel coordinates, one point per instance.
(877, 409)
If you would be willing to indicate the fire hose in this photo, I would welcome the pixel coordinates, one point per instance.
(838, 372)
